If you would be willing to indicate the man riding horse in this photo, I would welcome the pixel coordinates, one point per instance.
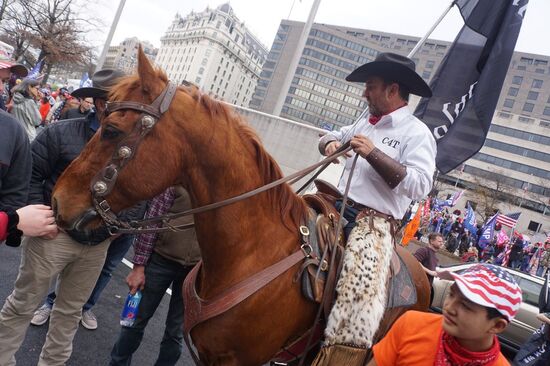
(395, 165)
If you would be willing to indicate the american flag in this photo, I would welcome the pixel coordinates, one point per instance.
(491, 286)
(507, 252)
(509, 220)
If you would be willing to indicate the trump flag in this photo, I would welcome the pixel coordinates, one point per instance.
(467, 85)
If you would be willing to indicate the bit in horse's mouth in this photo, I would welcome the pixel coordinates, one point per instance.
(84, 219)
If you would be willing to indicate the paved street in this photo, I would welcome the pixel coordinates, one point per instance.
(91, 348)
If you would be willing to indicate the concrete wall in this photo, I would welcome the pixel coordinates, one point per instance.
(292, 144)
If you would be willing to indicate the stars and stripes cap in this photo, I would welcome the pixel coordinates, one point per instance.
(488, 285)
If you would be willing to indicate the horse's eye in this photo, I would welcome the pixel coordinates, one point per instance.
(110, 133)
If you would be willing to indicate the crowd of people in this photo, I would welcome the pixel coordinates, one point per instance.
(516, 251)
(42, 132)
(80, 263)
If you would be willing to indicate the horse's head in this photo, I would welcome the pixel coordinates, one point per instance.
(139, 164)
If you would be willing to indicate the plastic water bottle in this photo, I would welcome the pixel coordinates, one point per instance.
(129, 312)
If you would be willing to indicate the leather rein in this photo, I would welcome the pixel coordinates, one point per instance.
(104, 181)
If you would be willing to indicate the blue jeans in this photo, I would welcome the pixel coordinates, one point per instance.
(160, 273)
(117, 251)
(350, 214)
(515, 263)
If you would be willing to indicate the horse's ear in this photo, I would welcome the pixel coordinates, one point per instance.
(147, 73)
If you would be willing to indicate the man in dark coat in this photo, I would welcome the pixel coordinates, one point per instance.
(76, 259)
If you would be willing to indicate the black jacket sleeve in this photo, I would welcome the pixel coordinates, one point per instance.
(45, 152)
(15, 176)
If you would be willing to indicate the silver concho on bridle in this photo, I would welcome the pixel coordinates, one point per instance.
(124, 152)
(147, 121)
(100, 187)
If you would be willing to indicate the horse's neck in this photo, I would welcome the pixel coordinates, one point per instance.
(240, 238)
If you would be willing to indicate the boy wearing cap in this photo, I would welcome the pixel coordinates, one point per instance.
(480, 304)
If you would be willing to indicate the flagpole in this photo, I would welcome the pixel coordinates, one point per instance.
(430, 31)
(110, 35)
(410, 55)
(295, 59)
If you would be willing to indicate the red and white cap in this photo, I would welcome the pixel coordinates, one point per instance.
(488, 285)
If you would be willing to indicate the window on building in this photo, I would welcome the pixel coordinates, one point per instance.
(546, 111)
(280, 36)
(525, 119)
(537, 84)
(266, 74)
(528, 107)
(517, 80)
(532, 95)
(509, 103)
(201, 71)
(534, 226)
(513, 92)
(526, 60)
(426, 75)
(430, 64)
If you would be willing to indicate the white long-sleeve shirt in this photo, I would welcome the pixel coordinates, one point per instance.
(404, 138)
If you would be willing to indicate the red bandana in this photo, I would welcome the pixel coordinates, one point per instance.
(373, 120)
(451, 353)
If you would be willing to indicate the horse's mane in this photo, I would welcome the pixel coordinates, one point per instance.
(283, 196)
(291, 205)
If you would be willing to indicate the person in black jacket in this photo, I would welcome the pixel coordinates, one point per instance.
(16, 218)
(81, 111)
(75, 258)
(15, 163)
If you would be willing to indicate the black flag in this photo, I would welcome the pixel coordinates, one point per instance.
(467, 85)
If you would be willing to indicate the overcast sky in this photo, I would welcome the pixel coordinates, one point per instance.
(149, 19)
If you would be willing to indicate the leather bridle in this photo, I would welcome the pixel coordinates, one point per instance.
(104, 181)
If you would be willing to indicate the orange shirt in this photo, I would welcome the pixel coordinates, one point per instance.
(413, 340)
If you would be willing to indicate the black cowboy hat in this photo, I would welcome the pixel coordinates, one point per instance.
(391, 66)
(102, 81)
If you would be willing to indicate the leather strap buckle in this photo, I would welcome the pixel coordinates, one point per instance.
(307, 249)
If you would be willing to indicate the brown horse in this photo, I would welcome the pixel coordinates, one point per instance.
(203, 145)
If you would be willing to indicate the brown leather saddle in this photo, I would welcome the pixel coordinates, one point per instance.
(322, 225)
